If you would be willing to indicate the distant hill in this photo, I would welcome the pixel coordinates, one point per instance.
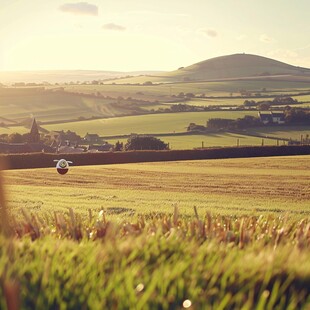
(65, 76)
(236, 66)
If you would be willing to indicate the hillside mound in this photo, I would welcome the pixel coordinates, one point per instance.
(236, 66)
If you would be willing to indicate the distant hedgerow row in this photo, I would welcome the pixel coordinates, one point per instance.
(42, 160)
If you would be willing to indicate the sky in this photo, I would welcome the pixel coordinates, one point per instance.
(133, 35)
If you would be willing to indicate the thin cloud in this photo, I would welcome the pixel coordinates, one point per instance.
(79, 8)
(265, 38)
(241, 37)
(211, 33)
(302, 48)
(156, 13)
(115, 27)
(283, 54)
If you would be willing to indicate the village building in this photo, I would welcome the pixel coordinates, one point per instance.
(92, 138)
(105, 147)
(33, 144)
(68, 149)
(34, 135)
(61, 138)
(269, 117)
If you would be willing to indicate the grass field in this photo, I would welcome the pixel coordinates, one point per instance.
(241, 186)
(218, 88)
(146, 124)
(49, 106)
(283, 132)
(143, 245)
(184, 142)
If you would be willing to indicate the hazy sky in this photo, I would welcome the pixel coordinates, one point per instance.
(128, 35)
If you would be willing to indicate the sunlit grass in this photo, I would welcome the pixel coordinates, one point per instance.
(146, 124)
(206, 234)
(241, 186)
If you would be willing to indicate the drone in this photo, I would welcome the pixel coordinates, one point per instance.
(62, 165)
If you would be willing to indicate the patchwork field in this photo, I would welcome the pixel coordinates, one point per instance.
(145, 124)
(210, 88)
(56, 106)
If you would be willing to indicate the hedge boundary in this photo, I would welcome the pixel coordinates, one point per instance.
(44, 160)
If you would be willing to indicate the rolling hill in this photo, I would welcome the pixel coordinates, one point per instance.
(237, 66)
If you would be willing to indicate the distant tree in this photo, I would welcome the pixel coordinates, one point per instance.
(263, 106)
(189, 95)
(147, 83)
(284, 100)
(119, 146)
(15, 138)
(145, 143)
(249, 103)
(227, 124)
(4, 137)
(297, 116)
(219, 123)
(195, 127)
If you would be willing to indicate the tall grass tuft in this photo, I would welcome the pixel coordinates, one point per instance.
(4, 218)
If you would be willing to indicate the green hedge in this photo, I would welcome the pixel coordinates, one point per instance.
(44, 160)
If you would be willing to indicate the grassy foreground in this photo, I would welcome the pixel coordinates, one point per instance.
(158, 262)
(217, 234)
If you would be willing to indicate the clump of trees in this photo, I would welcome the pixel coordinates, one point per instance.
(14, 138)
(195, 127)
(138, 142)
(119, 146)
(230, 124)
(266, 104)
(296, 116)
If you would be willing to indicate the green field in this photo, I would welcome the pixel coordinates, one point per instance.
(283, 132)
(218, 88)
(185, 142)
(133, 239)
(56, 106)
(146, 124)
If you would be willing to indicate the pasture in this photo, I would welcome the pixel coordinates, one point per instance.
(145, 124)
(209, 88)
(55, 106)
(197, 234)
(283, 132)
(220, 139)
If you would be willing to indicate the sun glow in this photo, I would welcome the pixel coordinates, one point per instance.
(38, 35)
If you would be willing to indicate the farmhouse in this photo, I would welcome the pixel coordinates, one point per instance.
(92, 138)
(271, 117)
